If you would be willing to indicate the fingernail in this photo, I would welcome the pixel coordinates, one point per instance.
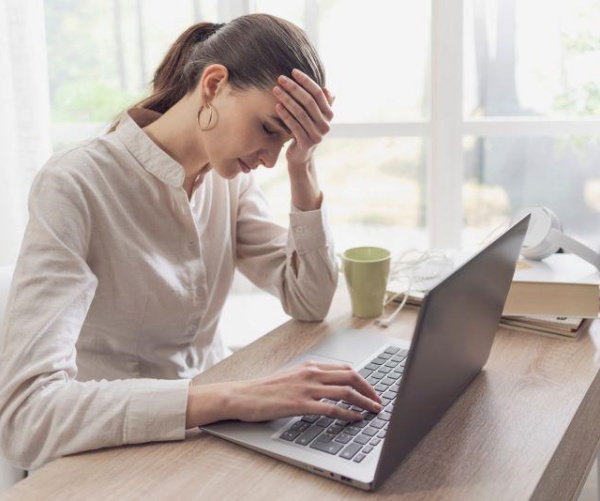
(277, 90)
(378, 407)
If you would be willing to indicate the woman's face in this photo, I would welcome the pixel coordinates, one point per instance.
(245, 131)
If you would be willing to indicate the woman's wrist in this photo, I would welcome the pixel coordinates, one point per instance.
(306, 193)
(208, 404)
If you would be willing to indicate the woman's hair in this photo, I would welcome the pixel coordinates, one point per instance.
(255, 49)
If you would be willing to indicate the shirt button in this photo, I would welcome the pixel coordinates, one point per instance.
(192, 328)
(192, 245)
(299, 229)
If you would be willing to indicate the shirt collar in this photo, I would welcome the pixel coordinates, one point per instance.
(147, 152)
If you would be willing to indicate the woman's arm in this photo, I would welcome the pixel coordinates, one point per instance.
(44, 411)
(305, 108)
(305, 277)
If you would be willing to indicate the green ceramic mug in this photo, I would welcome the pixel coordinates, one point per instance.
(366, 270)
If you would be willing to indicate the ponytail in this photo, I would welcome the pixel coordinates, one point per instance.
(169, 84)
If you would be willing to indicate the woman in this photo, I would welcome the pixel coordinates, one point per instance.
(132, 243)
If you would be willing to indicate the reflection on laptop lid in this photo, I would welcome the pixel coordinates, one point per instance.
(452, 340)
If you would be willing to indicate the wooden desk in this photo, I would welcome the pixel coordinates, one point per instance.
(528, 427)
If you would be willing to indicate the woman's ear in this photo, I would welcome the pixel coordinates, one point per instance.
(213, 80)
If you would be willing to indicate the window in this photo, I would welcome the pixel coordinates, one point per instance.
(450, 114)
(531, 95)
(512, 104)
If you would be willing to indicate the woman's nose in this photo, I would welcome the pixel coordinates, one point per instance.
(268, 157)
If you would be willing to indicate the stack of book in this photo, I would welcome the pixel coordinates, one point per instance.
(557, 296)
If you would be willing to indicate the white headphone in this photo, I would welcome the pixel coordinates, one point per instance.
(545, 236)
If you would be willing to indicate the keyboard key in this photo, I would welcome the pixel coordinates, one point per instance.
(388, 380)
(381, 434)
(290, 435)
(324, 422)
(352, 430)
(350, 450)
(375, 441)
(359, 458)
(325, 437)
(368, 448)
(392, 350)
(334, 430)
(391, 363)
(362, 439)
(310, 419)
(378, 423)
(368, 415)
(329, 447)
(380, 388)
(360, 424)
(309, 435)
(378, 361)
(377, 376)
(384, 415)
(384, 355)
(371, 367)
(343, 438)
(373, 380)
(383, 370)
(300, 426)
(365, 372)
(371, 432)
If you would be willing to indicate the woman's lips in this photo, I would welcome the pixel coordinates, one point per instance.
(244, 166)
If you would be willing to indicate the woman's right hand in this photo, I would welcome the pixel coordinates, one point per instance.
(294, 392)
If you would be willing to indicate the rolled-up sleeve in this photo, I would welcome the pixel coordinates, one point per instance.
(297, 265)
(44, 411)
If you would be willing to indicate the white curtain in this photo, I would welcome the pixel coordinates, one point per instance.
(24, 114)
(24, 135)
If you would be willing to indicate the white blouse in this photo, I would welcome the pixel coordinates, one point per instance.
(119, 286)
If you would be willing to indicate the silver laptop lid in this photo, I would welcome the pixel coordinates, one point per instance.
(452, 342)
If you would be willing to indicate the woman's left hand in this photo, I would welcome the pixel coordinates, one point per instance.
(305, 108)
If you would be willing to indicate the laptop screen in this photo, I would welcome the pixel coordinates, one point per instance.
(452, 341)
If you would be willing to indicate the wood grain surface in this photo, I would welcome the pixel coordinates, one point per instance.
(527, 427)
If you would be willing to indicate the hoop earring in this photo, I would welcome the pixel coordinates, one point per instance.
(210, 115)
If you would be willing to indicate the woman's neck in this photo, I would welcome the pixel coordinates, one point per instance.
(177, 134)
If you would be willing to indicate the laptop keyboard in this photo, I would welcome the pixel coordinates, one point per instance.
(354, 441)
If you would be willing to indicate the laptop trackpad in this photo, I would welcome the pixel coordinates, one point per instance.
(351, 346)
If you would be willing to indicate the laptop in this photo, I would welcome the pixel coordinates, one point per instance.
(418, 382)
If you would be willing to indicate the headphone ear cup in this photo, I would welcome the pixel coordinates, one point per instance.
(536, 244)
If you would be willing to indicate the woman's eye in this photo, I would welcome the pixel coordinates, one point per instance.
(268, 131)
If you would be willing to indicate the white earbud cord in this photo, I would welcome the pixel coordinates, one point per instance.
(426, 267)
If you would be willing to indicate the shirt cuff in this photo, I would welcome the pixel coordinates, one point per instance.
(309, 230)
(157, 410)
